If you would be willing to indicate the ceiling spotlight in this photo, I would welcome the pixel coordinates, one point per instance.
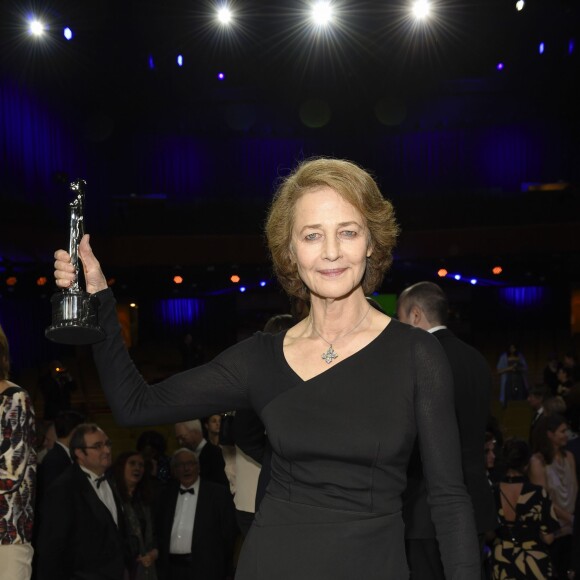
(234, 278)
(179, 60)
(224, 15)
(322, 13)
(473, 281)
(442, 272)
(67, 33)
(178, 279)
(421, 9)
(541, 48)
(457, 276)
(36, 28)
(520, 5)
(497, 270)
(221, 76)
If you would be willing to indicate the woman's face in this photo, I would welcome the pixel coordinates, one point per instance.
(489, 449)
(559, 437)
(330, 243)
(134, 470)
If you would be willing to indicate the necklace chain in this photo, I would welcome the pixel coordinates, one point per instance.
(330, 354)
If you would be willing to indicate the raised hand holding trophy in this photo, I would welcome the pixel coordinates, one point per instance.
(74, 315)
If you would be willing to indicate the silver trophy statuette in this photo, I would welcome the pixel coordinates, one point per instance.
(74, 314)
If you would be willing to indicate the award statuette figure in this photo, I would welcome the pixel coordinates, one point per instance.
(74, 316)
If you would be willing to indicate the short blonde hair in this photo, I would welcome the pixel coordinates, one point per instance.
(354, 185)
(4, 357)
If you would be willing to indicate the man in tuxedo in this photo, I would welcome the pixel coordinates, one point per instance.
(536, 398)
(196, 526)
(58, 458)
(211, 460)
(424, 305)
(80, 535)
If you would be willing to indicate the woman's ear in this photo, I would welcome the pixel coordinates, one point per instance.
(369, 248)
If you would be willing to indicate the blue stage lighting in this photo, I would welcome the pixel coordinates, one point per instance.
(457, 276)
(242, 288)
(179, 60)
(67, 33)
(541, 48)
(262, 283)
(473, 281)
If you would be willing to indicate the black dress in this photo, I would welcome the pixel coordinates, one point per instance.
(341, 443)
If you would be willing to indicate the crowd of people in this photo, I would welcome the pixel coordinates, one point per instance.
(374, 453)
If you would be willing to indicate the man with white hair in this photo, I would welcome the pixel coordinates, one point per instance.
(211, 461)
(196, 526)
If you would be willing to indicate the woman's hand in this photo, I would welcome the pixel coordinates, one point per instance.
(149, 558)
(64, 272)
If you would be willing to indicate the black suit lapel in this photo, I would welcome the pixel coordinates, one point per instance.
(201, 515)
(99, 509)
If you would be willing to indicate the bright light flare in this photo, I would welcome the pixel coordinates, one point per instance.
(442, 272)
(520, 5)
(67, 33)
(36, 28)
(421, 9)
(224, 16)
(322, 13)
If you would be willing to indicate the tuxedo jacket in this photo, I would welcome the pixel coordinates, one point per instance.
(56, 461)
(214, 531)
(212, 465)
(472, 381)
(78, 537)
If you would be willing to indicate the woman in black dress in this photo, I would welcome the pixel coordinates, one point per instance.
(332, 510)
(131, 486)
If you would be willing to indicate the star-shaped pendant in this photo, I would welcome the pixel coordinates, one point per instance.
(329, 355)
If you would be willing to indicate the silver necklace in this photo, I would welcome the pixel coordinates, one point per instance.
(330, 354)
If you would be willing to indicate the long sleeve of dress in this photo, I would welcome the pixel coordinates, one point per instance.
(438, 435)
(215, 387)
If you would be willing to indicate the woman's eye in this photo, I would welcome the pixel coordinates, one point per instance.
(311, 237)
(348, 234)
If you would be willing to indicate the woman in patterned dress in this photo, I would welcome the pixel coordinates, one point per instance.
(527, 521)
(17, 473)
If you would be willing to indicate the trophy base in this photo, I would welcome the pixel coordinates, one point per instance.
(71, 333)
(74, 319)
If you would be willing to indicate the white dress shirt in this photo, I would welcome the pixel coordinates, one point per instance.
(183, 521)
(104, 492)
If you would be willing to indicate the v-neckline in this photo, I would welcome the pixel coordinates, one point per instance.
(286, 364)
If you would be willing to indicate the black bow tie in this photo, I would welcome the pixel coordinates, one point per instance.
(182, 491)
(97, 481)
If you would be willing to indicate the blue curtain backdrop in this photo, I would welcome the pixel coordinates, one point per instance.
(38, 143)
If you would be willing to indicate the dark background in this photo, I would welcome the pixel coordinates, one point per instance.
(481, 164)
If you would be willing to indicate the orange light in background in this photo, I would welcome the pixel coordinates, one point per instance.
(235, 278)
(497, 270)
(111, 281)
(11, 281)
(442, 272)
(177, 280)
(41, 281)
